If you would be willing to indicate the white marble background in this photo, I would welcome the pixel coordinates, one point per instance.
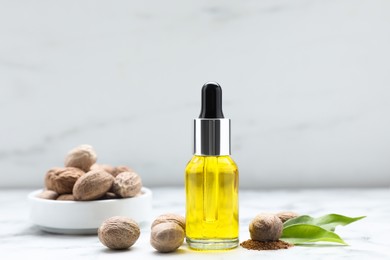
(306, 84)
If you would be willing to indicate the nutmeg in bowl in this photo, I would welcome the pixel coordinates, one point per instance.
(85, 217)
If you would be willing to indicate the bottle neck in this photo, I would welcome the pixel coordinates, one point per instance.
(212, 136)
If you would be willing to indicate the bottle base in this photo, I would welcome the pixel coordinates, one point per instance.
(212, 244)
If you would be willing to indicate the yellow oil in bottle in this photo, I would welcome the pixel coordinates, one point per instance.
(211, 202)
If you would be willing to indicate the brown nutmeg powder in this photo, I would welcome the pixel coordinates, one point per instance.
(268, 245)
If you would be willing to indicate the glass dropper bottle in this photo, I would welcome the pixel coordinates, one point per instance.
(211, 179)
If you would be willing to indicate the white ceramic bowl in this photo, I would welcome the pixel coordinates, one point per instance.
(84, 217)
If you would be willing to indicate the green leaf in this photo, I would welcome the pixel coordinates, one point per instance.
(328, 222)
(305, 233)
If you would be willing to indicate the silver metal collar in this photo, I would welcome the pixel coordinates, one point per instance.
(212, 136)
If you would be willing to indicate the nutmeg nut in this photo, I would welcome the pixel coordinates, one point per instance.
(66, 197)
(114, 171)
(48, 195)
(127, 184)
(62, 180)
(92, 185)
(174, 218)
(265, 227)
(286, 215)
(120, 169)
(166, 237)
(119, 232)
(82, 157)
(106, 167)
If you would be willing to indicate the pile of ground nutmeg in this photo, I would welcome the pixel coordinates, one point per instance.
(265, 245)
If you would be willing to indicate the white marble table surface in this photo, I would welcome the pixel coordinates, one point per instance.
(367, 239)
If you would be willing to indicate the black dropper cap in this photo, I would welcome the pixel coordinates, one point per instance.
(211, 101)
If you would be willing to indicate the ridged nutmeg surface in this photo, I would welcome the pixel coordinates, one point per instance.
(119, 232)
(62, 180)
(92, 185)
(127, 184)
